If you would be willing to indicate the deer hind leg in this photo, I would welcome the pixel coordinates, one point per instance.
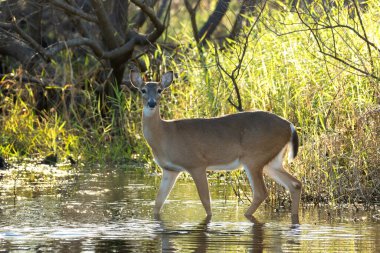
(259, 189)
(200, 179)
(167, 182)
(276, 171)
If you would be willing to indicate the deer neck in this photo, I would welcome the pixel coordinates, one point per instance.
(152, 126)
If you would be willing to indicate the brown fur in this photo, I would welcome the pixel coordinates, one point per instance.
(257, 136)
(254, 140)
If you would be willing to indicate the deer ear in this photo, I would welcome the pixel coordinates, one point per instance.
(136, 79)
(167, 79)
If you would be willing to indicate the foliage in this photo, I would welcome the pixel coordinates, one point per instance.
(290, 68)
(335, 107)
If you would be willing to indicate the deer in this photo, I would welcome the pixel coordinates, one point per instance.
(256, 141)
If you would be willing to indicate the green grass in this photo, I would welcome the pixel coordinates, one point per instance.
(334, 107)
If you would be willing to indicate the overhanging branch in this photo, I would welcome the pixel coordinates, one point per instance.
(150, 13)
(73, 11)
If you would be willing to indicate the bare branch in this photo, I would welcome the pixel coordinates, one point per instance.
(23, 78)
(9, 45)
(165, 5)
(121, 51)
(29, 39)
(236, 71)
(34, 20)
(193, 11)
(160, 27)
(364, 38)
(140, 18)
(5, 25)
(246, 6)
(209, 27)
(239, 105)
(150, 13)
(73, 10)
(334, 56)
(324, 27)
(365, 34)
(109, 33)
(366, 73)
(233, 76)
(96, 48)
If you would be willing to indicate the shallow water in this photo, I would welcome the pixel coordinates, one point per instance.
(112, 212)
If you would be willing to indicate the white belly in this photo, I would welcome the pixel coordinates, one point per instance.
(164, 164)
(229, 166)
(236, 164)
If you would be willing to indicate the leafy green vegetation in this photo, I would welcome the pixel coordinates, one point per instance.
(286, 65)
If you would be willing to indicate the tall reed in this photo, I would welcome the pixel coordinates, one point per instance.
(284, 70)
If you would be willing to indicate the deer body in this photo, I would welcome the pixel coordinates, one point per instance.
(252, 140)
(185, 144)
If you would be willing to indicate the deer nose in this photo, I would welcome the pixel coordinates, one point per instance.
(152, 103)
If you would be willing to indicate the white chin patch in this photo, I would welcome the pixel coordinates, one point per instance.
(148, 111)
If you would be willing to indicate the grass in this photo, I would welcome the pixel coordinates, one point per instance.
(334, 107)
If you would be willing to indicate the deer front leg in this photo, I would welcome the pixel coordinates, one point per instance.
(200, 179)
(167, 182)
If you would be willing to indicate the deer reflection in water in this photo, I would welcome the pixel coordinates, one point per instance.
(207, 236)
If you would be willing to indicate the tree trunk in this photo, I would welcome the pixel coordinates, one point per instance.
(247, 6)
(213, 21)
(18, 50)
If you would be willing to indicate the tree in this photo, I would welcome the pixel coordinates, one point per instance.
(34, 32)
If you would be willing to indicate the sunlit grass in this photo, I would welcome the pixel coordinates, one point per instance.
(335, 108)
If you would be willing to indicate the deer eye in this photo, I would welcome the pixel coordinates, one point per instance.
(143, 91)
(159, 91)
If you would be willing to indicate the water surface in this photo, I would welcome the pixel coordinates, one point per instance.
(112, 212)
